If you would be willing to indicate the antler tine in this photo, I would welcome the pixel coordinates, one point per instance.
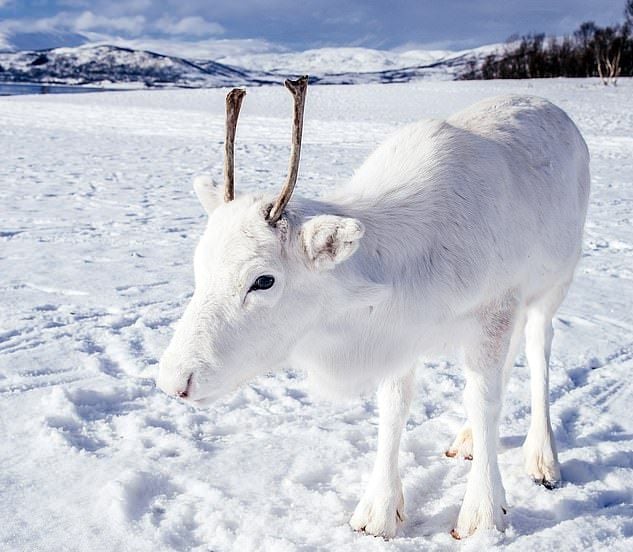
(298, 88)
(233, 104)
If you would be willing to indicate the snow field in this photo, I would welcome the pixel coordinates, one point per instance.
(97, 229)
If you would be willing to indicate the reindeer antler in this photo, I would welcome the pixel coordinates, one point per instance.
(298, 89)
(233, 104)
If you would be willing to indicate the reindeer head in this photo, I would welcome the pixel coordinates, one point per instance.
(263, 276)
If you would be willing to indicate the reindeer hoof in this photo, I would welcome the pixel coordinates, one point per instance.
(453, 453)
(462, 445)
(455, 534)
(380, 512)
(549, 485)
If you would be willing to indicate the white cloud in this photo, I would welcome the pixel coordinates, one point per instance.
(88, 21)
(77, 22)
(192, 26)
(131, 26)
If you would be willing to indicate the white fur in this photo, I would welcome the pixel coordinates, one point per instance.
(459, 232)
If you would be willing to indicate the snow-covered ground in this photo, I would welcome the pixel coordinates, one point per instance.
(97, 229)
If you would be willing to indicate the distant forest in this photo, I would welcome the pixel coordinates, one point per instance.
(591, 51)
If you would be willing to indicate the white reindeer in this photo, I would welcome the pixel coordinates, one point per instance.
(463, 232)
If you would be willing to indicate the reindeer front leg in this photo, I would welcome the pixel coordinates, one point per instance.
(381, 509)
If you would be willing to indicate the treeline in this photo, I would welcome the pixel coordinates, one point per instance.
(591, 51)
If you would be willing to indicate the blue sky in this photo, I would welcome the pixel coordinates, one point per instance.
(302, 24)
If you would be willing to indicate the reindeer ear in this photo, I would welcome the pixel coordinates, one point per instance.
(329, 240)
(208, 192)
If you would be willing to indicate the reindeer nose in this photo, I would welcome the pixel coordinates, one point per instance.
(184, 393)
(171, 380)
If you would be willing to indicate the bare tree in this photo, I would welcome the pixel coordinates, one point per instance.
(591, 51)
(608, 49)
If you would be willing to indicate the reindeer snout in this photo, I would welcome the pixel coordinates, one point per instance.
(184, 393)
(173, 378)
(174, 384)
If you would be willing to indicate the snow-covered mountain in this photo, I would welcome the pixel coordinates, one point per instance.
(335, 60)
(105, 64)
(362, 65)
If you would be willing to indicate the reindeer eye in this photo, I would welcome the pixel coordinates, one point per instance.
(263, 282)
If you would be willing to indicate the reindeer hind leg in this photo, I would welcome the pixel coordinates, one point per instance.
(462, 446)
(541, 457)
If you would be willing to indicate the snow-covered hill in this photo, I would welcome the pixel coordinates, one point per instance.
(98, 223)
(336, 60)
(106, 64)
(356, 61)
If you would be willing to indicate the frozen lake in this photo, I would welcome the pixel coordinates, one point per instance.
(19, 89)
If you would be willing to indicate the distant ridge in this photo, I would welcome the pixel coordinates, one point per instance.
(106, 65)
